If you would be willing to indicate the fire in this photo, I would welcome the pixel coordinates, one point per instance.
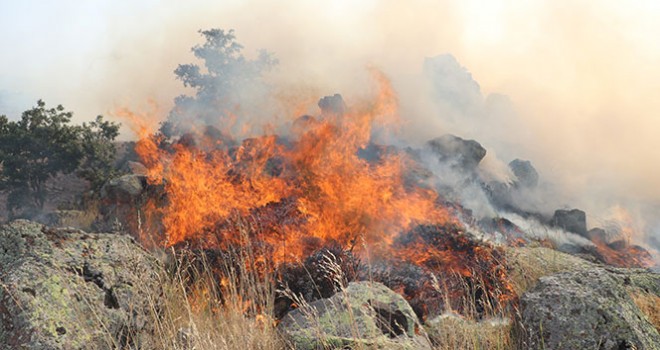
(292, 196)
(338, 196)
(618, 248)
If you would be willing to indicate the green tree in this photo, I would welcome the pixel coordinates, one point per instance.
(99, 151)
(226, 81)
(43, 144)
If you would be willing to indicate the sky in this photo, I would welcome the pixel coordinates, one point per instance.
(582, 76)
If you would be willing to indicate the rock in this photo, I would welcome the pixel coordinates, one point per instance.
(588, 309)
(618, 244)
(574, 220)
(332, 105)
(67, 289)
(466, 154)
(527, 264)
(121, 204)
(124, 189)
(597, 234)
(525, 173)
(364, 315)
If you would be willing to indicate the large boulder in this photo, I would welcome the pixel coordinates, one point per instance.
(67, 289)
(364, 315)
(332, 105)
(573, 220)
(464, 154)
(589, 309)
(121, 204)
(124, 189)
(526, 175)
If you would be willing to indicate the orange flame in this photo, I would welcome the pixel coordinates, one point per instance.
(294, 197)
(341, 196)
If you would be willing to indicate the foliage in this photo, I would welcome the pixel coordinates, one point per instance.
(44, 143)
(99, 151)
(226, 80)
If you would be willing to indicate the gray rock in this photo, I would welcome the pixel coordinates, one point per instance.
(599, 235)
(574, 220)
(365, 314)
(588, 309)
(124, 189)
(332, 104)
(525, 173)
(67, 289)
(121, 204)
(466, 154)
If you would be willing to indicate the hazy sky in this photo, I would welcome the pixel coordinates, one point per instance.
(584, 76)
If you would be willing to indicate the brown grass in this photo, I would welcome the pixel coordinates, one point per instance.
(190, 315)
(456, 332)
(527, 265)
(649, 304)
(183, 324)
(490, 329)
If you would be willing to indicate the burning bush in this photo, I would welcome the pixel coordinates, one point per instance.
(311, 198)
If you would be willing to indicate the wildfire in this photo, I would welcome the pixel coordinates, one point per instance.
(291, 196)
(337, 196)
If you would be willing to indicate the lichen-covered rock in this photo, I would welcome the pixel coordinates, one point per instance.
(588, 309)
(67, 289)
(121, 204)
(124, 189)
(365, 314)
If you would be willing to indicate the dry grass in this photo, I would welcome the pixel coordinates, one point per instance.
(455, 332)
(197, 312)
(488, 328)
(649, 304)
(80, 219)
(189, 315)
(527, 265)
(183, 324)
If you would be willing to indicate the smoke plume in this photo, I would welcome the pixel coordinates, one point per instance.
(570, 88)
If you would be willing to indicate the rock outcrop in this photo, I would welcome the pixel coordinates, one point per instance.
(124, 189)
(365, 314)
(463, 154)
(574, 220)
(589, 309)
(67, 289)
(526, 174)
(332, 105)
(121, 204)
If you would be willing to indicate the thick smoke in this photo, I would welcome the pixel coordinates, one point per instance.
(433, 72)
(557, 85)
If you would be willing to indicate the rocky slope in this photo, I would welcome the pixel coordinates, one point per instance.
(67, 289)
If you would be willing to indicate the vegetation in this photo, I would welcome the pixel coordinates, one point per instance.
(43, 144)
(226, 80)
